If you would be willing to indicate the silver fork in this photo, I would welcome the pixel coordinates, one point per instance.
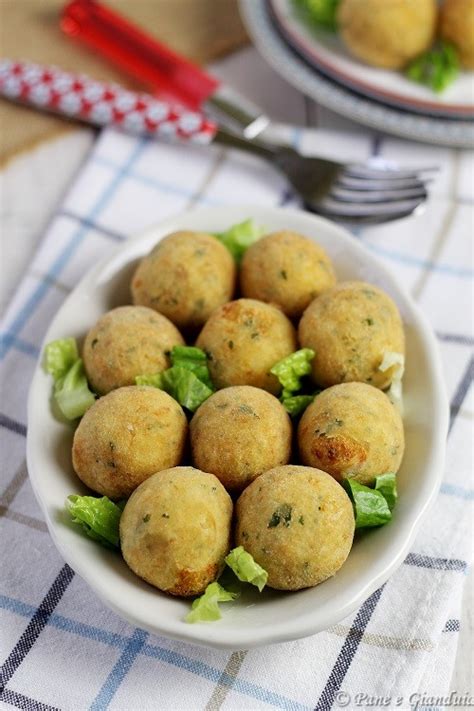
(356, 194)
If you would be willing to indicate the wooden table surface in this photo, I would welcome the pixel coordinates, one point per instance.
(201, 30)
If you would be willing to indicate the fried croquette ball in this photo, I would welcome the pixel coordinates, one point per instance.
(352, 430)
(350, 328)
(286, 269)
(243, 340)
(298, 524)
(457, 26)
(185, 277)
(387, 33)
(125, 342)
(127, 436)
(239, 433)
(175, 530)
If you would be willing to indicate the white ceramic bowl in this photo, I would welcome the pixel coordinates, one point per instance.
(270, 617)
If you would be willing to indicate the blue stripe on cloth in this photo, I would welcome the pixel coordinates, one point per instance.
(119, 671)
(211, 674)
(65, 255)
(458, 491)
(460, 338)
(91, 225)
(24, 702)
(427, 561)
(347, 652)
(12, 425)
(20, 344)
(65, 624)
(17, 606)
(37, 623)
(159, 184)
(154, 651)
(411, 261)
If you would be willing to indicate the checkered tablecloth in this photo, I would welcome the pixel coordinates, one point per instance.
(59, 646)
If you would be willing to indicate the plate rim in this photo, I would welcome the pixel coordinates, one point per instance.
(281, 631)
(309, 52)
(426, 129)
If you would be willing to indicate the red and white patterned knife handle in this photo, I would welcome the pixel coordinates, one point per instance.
(100, 104)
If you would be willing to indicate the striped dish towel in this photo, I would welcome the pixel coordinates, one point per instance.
(60, 647)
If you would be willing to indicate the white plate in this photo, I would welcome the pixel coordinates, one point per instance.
(341, 99)
(327, 53)
(272, 617)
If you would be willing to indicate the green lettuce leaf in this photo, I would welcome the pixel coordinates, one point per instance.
(436, 68)
(193, 359)
(387, 485)
(370, 506)
(296, 404)
(291, 369)
(206, 607)
(155, 381)
(188, 380)
(185, 387)
(230, 581)
(60, 356)
(320, 12)
(98, 518)
(182, 384)
(72, 393)
(239, 237)
(245, 568)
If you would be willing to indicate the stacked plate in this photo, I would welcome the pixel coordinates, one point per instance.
(316, 62)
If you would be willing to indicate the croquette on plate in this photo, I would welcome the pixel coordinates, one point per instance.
(298, 524)
(185, 277)
(457, 26)
(126, 342)
(287, 269)
(127, 436)
(387, 33)
(243, 340)
(350, 328)
(352, 430)
(239, 433)
(175, 530)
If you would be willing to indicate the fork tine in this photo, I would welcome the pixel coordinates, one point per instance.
(363, 220)
(336, 208)
(368, 195)
(363, 196)
(370, 172)
(354, 183)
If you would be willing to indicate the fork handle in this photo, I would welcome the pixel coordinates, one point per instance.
(101, 104)
(258, 147)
